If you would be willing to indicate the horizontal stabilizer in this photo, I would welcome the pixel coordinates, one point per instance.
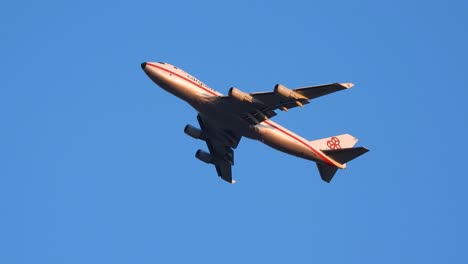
(344, 155)
(326, 171)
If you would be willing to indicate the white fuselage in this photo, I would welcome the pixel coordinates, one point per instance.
(199, 96)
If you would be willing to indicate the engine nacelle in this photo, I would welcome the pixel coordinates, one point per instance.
(194, 132)
(204, 156)
(241, 96)
(287, 93)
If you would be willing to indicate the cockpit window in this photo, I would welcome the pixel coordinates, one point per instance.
(162, 62)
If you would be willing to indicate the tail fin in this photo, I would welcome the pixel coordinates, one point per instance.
(335, 142)
(340, 155)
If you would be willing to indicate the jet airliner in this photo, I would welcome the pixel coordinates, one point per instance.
(224, 120)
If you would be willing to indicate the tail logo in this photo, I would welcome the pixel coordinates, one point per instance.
(334, 143)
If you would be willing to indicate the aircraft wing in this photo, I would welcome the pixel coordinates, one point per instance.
(220, 144)
(277, 101)
(257, 107)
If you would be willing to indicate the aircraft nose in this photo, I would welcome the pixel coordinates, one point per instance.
(143, 65)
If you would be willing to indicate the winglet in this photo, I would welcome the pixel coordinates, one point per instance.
(347, 85)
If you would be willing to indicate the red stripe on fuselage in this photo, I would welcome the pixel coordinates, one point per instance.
(186, 79)
(318, 153)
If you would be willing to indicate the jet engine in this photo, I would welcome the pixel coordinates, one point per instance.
(204, 156)
(194, 132)
(241, 96)
(287, 93)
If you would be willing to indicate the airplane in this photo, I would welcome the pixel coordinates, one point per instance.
(224, 120)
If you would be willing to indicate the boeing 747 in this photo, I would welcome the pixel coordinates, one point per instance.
(224, 120)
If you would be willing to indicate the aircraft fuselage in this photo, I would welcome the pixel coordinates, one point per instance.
(200, 96)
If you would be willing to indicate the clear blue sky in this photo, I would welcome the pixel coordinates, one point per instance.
(95, 167)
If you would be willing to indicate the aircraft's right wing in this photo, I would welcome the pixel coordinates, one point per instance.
(287, 99)
(257, 107)
(220, 144)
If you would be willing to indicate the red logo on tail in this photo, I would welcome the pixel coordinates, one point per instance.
(334, 143)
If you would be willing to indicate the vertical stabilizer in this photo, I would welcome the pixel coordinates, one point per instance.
(334, 142)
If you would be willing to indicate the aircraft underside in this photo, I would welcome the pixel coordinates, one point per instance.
(224, 120)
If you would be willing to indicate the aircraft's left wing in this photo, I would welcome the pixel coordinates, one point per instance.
(220, 144)
(257, 107)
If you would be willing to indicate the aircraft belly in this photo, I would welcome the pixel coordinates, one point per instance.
(177, 87)
(285, 142)
(273, 135)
